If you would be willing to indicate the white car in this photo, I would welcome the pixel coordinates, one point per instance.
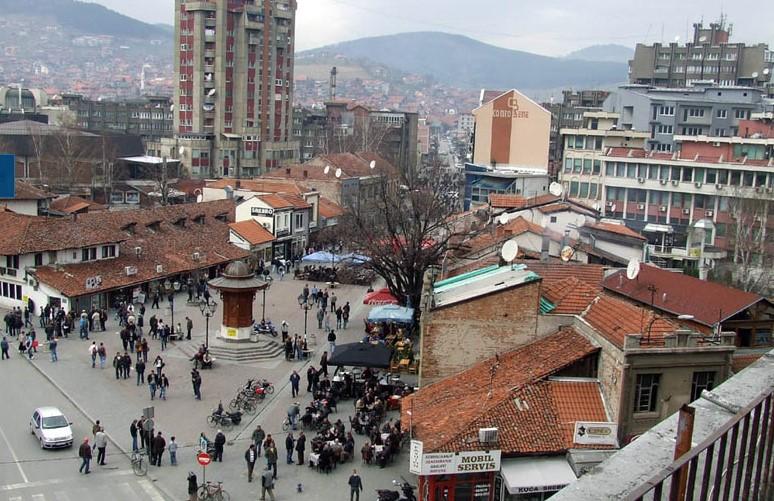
(51, 428)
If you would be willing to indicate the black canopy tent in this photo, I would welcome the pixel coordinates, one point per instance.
(361, 355)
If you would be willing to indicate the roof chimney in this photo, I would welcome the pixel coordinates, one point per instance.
(306, 174)
(287, 171)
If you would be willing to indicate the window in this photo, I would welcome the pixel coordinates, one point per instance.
(593, 191)
(721, 114)
(132, 197)
(741, 114)
(553, 219)
(584, 190)
(667, 111)
(39, 259)
(12, 291)
(108, 251)
(299, 223)
(646, 393)
(567, 164)
(696, 112)
(570, 142)
(597, 167)
(89, 254)
(665, 129)
(692, 131)
(574, 185)
(598, 143)
(663, 147)
(586, 165)
(577, 166)
(12, 262)
(701, 381)
(610, 169)
(580, 142)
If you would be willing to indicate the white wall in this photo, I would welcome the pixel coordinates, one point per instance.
(26, 207)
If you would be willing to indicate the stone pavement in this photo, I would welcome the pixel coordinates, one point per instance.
(117, 402)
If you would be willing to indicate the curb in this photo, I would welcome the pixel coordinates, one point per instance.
(75, 404)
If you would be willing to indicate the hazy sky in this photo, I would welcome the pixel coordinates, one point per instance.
(547, 27)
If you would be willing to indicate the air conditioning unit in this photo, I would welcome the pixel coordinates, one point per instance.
(663, 181)
(662, 208)
(686, 211)
(640, 180)
(130, 270)
(641, 206)
(675, 182)
(697, 184)
(159, 268)
(196, 256)
(487, 435)
(138, 251)
(718, 186)
(709, 213)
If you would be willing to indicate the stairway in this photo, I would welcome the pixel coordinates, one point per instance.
(244, 352)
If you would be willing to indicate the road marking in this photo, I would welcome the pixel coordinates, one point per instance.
(55, 481)
(150, 490)
(38, 497)
(15, 498)
(13, 455)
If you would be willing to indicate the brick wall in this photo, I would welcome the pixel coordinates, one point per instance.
(459, 335)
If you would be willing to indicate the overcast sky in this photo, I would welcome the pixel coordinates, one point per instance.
(546, 27)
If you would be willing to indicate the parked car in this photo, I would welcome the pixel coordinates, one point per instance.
(51, 428)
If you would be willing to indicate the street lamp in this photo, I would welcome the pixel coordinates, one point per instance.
(171, 288)
(304, 304)
(208, 310)
(268, 280)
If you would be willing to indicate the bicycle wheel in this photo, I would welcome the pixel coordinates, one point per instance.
(285, 425)
(204, 493)
(234, 404)
(140, 466)
(249, 407)
(212, 421)
(225, 495)
(270, 389)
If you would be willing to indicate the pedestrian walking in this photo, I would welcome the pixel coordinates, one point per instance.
(324, 364)
(193, 486)
(4, 346)
(102, 353)
(93, 353)
(251, 456)
(345, 315)
(196, 381)
(267, 484)
(158, 365)
(258, 436)
(326, 319)
(152, 385)
(163, 387)
(52, 344)
(220, 441)
(157, 449)
(271, 456)
(355, 486)
(332, 341)
(310, 375)
(172, 448)
(100, 443)
(139, 368)
(84, 452)
(339, 313)
(294, 383)
(320, 318)
(133, 434)
(290, 442)
(118, 365)
(127, 364)
(188, 327)
(333, 302)
(300, 448)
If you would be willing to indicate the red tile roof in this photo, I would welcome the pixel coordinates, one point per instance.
(446, 415)
(25, 191)
(329, 209)
(261, 185)
(679, 294)
(252, 232)
(622, 152)
(29, 234)
(571, 296)
(554, 273)
(618, 229)
(615, 318)
(70, 204)
(508, 201)
(284, 201)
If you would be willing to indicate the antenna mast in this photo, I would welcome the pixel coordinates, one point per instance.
(332, 90)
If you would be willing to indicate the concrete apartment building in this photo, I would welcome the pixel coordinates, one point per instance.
(710, 55)
(705, 109)
(234, 86)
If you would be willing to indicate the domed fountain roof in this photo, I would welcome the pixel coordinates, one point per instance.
(237, 269)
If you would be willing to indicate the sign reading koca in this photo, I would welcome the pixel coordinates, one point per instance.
(449, 463)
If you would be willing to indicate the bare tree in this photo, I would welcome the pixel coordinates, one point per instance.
(404, 229)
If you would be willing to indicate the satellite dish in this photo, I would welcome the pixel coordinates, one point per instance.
(181, 151)
(327, 169)
(172, 108)
(211, 92)
(702, 38)
(338, 173)
(509, 251)
(766, 71)
(372, 164)
(633, 269)
(596, 206)
(556, 189)
(567, 253)
(613, 208)
(755, 74)
(199, 198)
(503, 219)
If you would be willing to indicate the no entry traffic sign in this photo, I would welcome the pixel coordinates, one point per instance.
(203, 458)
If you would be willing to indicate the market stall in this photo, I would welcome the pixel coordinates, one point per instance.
(393, 325)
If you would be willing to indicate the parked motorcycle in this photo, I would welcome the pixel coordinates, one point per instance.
(221, 418)
(265, 328)
(390, 495)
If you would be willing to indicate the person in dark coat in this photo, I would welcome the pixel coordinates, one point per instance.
(220, 441)
(300, 448)
(251, 456)
(289, 443)
(84, 452)
(157, 449)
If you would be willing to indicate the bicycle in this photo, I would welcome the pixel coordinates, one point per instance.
(211, 491)
(139, 464)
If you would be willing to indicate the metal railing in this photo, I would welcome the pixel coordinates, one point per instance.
(733, 463)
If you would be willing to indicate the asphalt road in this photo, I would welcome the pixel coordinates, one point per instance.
(29, 473)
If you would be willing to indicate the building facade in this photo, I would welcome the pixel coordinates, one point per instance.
(234, 92)
(710, 55)
(149, 117)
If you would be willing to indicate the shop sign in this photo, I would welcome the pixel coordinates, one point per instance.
(261, 211)
(540, 488)
(593, 433)
(450, 463)
(231, 332)
(93, 282)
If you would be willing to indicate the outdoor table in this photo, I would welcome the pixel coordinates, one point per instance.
(385, 436)
(378, 448)
(314, 459)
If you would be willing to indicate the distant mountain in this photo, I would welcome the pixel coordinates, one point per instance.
(466, 63)
(604, 53)
(84, 18)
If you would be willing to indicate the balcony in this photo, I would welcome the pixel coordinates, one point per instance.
(253, 25)
(210, 22)
(670, 252)
(201, 6)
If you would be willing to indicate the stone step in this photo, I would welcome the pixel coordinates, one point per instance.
(264, 351)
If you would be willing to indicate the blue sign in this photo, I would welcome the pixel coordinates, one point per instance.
(7, 176)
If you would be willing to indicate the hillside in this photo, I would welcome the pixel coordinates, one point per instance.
(463, 62)
(84, 18)
(606, 53)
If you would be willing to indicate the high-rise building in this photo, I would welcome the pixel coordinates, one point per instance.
(710, 55)
(234, 86)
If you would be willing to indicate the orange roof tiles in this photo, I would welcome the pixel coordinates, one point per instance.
(618, 229)
(252, 231)
(329, 209)
(261, 185)
(615, 318)
(71, 204)
(446, 415)
(283, 201)
(508, 201)
(679, 294)
(553, 273)
(570, 296)
(25, 191)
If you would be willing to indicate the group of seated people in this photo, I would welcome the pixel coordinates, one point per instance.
(316, 414)
(333, 445)
(383, 445)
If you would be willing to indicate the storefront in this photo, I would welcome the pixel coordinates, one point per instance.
(532, 478)
(454, 476)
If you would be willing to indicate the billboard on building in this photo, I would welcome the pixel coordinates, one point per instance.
(7, 176)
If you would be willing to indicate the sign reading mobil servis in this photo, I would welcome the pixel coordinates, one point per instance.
(450, 463)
